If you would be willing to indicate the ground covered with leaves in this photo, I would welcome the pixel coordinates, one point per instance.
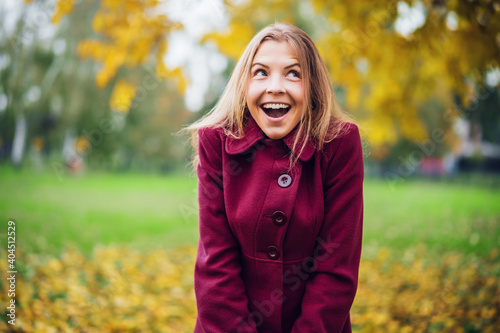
(122, 290)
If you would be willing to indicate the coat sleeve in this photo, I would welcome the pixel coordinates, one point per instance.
(220, 293)
(332, 285)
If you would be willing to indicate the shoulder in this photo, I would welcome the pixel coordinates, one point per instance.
(343, 156)
(211, 133)
(211, 138)
(349, 131)
(346, 139)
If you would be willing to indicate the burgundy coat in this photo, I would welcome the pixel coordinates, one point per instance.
(279, 251)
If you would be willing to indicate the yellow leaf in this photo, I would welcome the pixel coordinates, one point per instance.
(233, 42)
(162, 72)
(122, 96)
(81, 144)
(63, 8)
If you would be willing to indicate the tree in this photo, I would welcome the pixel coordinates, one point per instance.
(388, 74)
(388, 68)
(128, 33)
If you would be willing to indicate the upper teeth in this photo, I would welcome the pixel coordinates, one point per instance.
(275, 106)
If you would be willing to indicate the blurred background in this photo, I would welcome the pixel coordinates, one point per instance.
(98, 180)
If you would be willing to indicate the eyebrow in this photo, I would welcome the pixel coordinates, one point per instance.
(265, 66)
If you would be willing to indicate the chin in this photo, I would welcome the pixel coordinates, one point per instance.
(276, 134)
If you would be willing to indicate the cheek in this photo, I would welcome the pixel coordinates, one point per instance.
(253, 92)
(251, 100)
(297, 93)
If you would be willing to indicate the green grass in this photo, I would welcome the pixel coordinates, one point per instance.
(443, 216)
(144, 211)
(155, 211)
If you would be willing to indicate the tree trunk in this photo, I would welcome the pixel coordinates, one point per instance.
(18, 143)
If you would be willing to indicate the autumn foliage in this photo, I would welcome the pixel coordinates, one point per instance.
(122, 290)
(130, 33)
(387, 74)
(118, 290)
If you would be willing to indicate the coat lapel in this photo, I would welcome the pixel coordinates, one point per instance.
(253, 134)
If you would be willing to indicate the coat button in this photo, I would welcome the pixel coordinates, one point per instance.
(284, 180)
(279, 218)
(273, 252)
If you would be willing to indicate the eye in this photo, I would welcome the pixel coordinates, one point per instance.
(260, 72)
(294, 73)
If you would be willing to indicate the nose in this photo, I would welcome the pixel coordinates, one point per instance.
(276, 85)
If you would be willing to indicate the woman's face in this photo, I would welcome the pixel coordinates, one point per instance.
(275, 92)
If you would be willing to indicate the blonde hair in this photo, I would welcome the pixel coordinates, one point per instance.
(322, 120)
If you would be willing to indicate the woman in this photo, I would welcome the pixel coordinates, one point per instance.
(280, 173)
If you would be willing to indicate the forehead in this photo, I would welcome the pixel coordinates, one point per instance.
(275, 52)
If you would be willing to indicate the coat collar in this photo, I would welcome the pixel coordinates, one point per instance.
(253, 134)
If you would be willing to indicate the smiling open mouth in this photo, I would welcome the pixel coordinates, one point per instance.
(274, 110)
